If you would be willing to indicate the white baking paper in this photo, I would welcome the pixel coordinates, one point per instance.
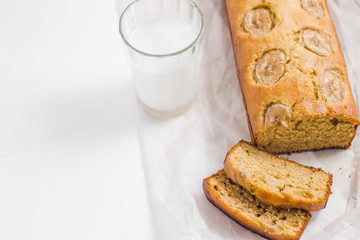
(179, 153)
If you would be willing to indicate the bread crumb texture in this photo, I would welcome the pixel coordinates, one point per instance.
(267, 220)
(283, 134)
(278, 181)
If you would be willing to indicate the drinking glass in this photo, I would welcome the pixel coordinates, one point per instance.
(166, 78)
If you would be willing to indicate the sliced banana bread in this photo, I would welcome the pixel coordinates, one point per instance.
(266, 220)
(276, 180)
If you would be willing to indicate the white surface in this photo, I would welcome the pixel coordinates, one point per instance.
(179, 153)
(69, 156)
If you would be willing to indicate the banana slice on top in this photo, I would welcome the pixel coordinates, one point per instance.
(317, 42)
(277, 114)
(270, 67)
(314, 7)
(258, 21)
(331, 86)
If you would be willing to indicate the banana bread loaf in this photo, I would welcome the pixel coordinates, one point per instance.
(292, 75)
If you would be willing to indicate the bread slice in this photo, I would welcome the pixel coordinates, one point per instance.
(276, 180)
(266, 220)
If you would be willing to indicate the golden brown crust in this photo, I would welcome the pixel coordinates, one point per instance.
(296, 87)
(213, 196)
(270, 197)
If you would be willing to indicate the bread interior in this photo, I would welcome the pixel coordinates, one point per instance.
(275, 220)
(308, 133)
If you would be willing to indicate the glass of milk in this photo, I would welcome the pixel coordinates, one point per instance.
(163, 44)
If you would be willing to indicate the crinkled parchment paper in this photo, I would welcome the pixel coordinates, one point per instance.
(179, 153)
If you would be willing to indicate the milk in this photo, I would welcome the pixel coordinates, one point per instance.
(162, 35)
(165, 83)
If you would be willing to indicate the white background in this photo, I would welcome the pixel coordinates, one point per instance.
(69, 155)
(70, 163)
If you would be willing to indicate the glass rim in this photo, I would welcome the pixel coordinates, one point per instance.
(167, 54)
